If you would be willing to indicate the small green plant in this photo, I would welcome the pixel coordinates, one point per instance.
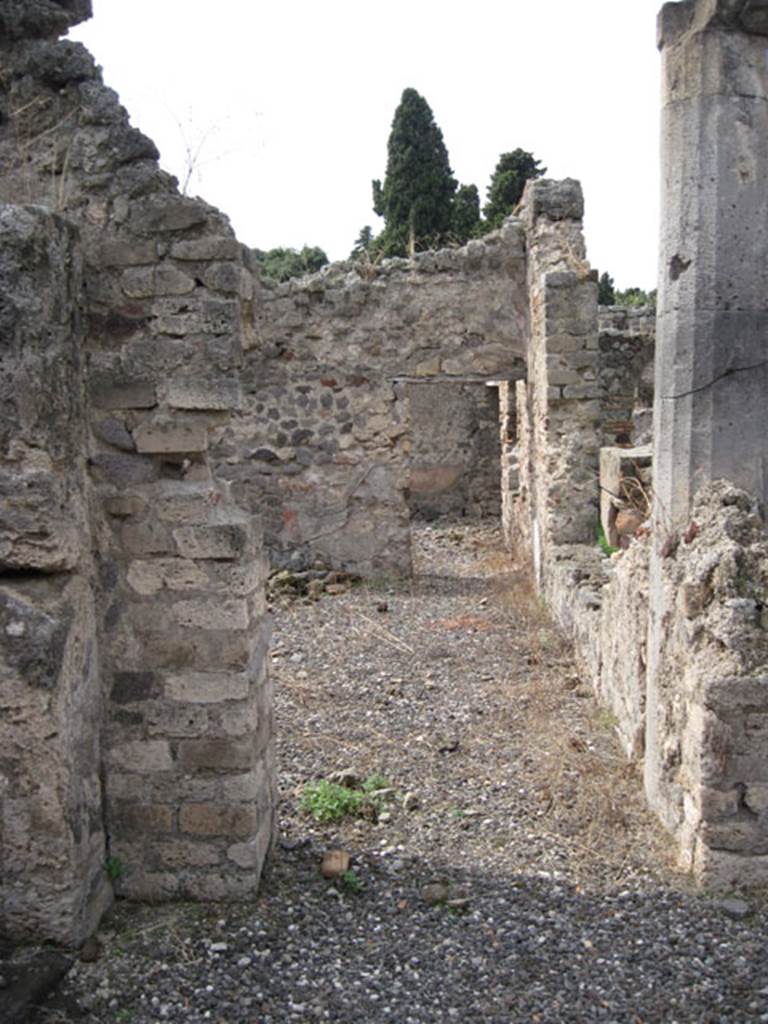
(328, 801)
(602, 541)
(114, 868)
(352, 881)
(375, 782)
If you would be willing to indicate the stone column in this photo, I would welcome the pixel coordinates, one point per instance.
(711, 367)
(711, 383)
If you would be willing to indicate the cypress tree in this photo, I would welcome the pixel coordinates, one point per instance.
(466, 213)
(416, 199)
(506, 188)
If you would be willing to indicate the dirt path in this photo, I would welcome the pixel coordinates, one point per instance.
(506, 872)
(463, 695)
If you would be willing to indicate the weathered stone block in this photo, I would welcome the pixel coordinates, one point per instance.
(217, 754)
(175, 720)
(147, 538)
(236, 719)
(223, 277)
(207, 248)
(182, 854)
(131, 687)
(198, 650)
(226, 542)
(41, 519)
(151, 576)
(124, 470)
(160, 214)
(124, 253)
(212, 613)
(251, 855)
(215, 820)
(582, 391)
(113, 431)
(135, 394)
(142, 756)
(158, 438)
(35, 635)
(146, 282)
(555, 200)
(207, 688)
(141, 818)
(222, 394)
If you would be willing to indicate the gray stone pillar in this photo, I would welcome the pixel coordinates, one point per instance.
(711, 382)
(712, 352)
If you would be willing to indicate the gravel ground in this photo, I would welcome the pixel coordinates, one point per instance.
(504, 870)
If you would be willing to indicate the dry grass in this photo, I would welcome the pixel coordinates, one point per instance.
(591, 795)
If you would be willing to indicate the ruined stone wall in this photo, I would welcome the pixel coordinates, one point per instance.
(672, 631)
(626, 339)
(321, 448)
(179, 580)
(710, 715)
(52, 842)
(559, 411)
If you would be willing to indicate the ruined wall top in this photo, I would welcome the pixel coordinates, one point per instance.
(555, 200)
(41, 19)
(691, 16)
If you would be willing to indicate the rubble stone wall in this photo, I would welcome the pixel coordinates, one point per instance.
(322, 448)
(160, 403)
(178, 588)
(52, 842)
(671, 631)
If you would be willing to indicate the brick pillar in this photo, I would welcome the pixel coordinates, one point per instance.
(189, 755)
(563, 407)
(190, 764)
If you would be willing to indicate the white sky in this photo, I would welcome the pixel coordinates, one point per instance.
(291, 103)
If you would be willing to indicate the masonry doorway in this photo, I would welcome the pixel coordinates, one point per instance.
(455, 449)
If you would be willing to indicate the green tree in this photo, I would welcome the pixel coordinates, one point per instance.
(364, 244)
(416, 199)
(606, 294)
(281, 264)
(466, 212)
(636, 297)
(507, 183)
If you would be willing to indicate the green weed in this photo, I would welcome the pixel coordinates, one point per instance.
(352, 881)
(602, 541)
(114, 868)
(328, 801)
